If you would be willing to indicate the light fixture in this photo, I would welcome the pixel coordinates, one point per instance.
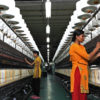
(48, 29)
(48, 40)
(48, 53)
(48, 50)
(48, 46)
(48, 9)
(47, 56)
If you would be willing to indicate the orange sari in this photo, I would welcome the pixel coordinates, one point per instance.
(79, 58)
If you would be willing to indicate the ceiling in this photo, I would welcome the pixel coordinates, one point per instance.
(33, 11)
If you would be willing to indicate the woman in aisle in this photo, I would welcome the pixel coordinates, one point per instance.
(36, 75)
(80, 58)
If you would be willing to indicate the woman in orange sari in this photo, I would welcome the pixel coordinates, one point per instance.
(80, 58)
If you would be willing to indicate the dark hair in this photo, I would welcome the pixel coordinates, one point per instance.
(77, 33)
(36, 52)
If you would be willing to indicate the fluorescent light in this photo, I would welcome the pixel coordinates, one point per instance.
(48, 50)
(48, 29)
(47, 56)
(48, 46)
(48, 9)
(48, 53)
(48, 40)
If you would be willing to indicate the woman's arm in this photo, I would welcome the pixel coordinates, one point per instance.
(92, 54)
(31, 64)
(84, 54)
(95, 57)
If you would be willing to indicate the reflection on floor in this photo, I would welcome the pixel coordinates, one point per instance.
(51, 89)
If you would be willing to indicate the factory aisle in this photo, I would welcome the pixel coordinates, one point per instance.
(51, 89)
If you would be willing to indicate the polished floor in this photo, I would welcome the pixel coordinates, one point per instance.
(51, 89)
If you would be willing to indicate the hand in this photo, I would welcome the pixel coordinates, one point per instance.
(98, 45)
(98, 55)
